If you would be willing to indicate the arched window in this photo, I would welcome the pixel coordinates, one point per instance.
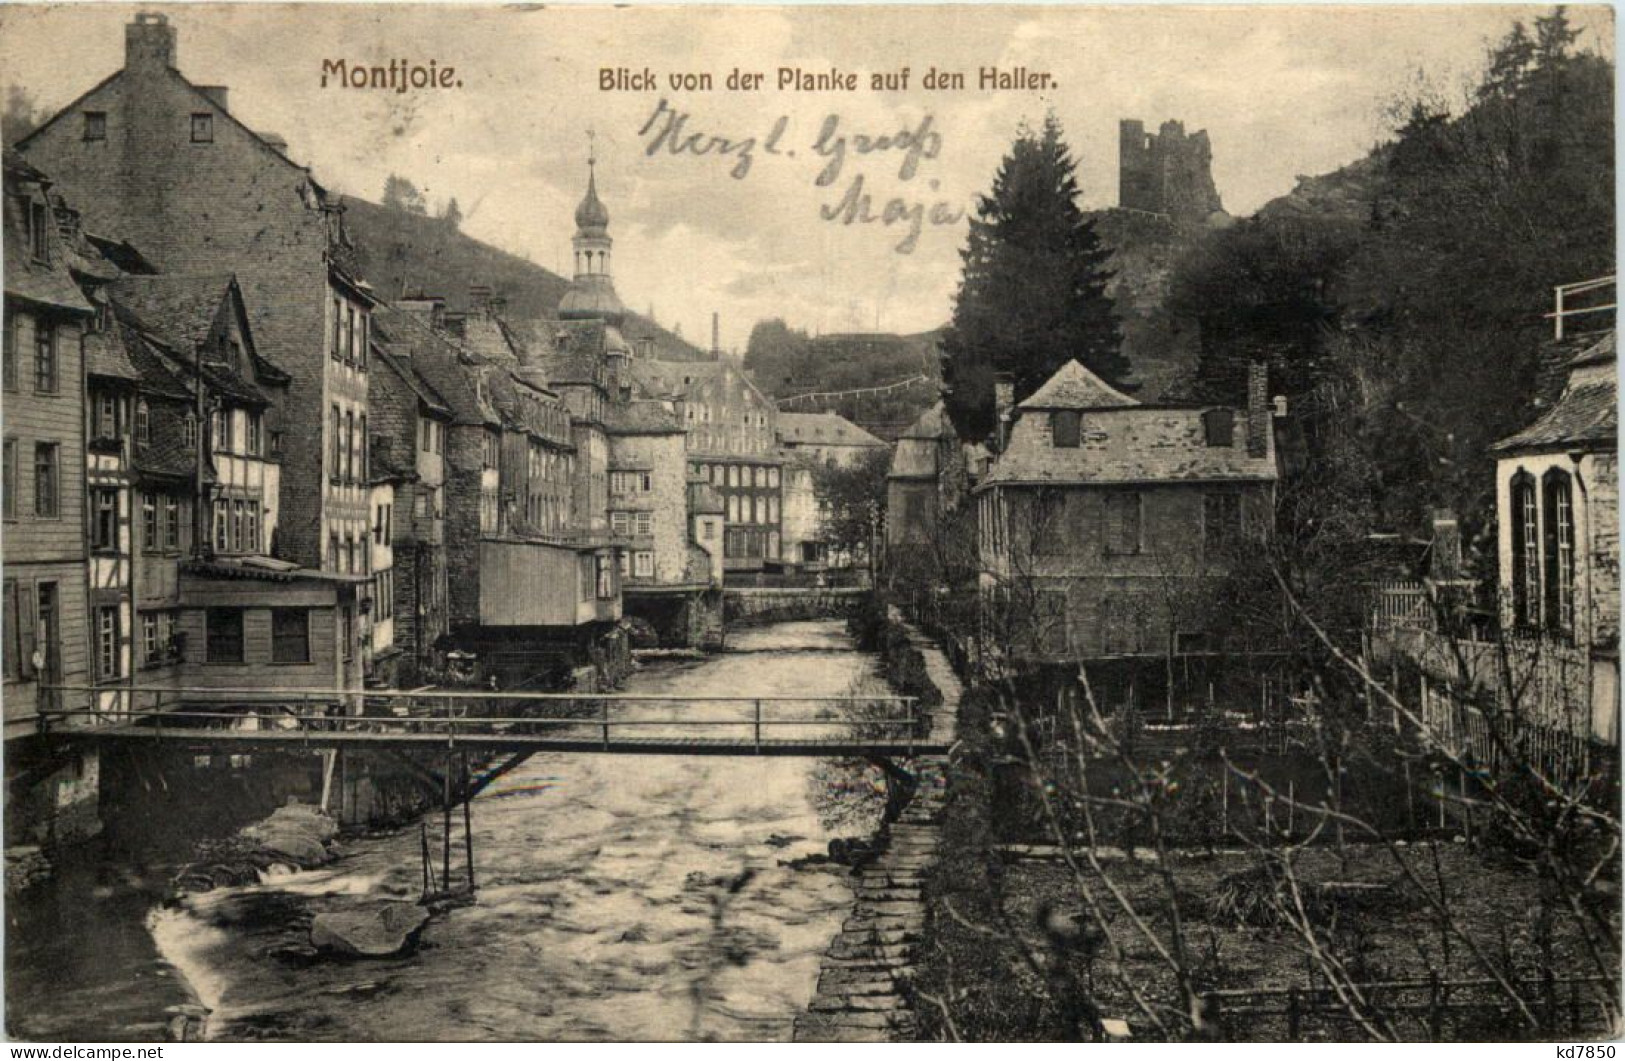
(1559, 505)
(1525, 552)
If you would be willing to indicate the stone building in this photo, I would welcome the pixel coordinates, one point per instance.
(1557, 509)
(828, 438)
(1166, 172)
(165, 164)
(1102, 523)
(927, 479)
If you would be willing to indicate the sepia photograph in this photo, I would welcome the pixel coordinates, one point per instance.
(822, 524)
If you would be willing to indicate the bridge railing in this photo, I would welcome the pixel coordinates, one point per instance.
(746, 720)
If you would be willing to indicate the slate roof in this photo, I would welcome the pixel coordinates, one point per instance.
(441, 363)
(1587, 412)
(180, 310)
(672, 379)
(640, 417)
(105, 356)
(932, 424)
(567, 351)
(47, 282)
(1075, 387)
(823, 429)
(408, 374)
(166, 454)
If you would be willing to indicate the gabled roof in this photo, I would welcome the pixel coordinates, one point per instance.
(407, 373)
(823, 429)
(672, 379)
(46, 282)
(448, 369)
(181, 311)
(567, 351)
(932, 424)
(1587, 413)
(1075, 387)
(105, 356)
(178, 361)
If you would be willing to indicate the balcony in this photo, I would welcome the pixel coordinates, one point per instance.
(533, 583)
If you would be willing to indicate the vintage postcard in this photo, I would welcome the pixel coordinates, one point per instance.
(821, 524)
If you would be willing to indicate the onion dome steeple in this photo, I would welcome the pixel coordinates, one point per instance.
(592, 292)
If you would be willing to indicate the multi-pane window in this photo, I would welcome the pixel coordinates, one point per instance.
(349, 445)
(149, 523)
(1123, 523)
(1525, 552)
(172, 523)
(45, 366)
(363, 452)
(425, 427)
(254, 433)
(221, 422)
(222, 526)
(151, 650)
(1221, 520)
(104, 519)
(143, 422)
(337, 343)
(337, 471)
(202, 128)
(46, 492)
(189, 431)
(223, 630)
(107, 644)
(19, 336)
(290, 635)
(643, 564)
(39, 220)
(95, 125)
(9, 497)
(1559, 551)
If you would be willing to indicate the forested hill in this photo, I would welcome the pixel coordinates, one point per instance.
(401, 251)
(880, 381)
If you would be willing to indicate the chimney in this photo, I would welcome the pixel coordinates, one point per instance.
(1259, 410)
(716, 322)
(479, 297)
(1445, 562)
(217, 95)
(149, 43)
(1004, 402)
(277, 143)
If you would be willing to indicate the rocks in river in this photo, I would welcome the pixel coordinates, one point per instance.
(294, 837)
(381, 930)
(186, 1023)
(26, 865)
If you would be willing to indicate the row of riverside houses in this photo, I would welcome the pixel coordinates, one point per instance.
(230, 465)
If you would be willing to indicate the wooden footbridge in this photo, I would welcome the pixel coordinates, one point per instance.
(241, 719)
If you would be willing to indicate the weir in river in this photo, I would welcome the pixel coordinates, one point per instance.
(653, 897)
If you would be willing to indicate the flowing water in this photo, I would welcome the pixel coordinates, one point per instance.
(621, 898)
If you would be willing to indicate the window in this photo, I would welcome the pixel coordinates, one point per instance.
(149, 523)
(1559, 551)
(1123, 523)
(425, 433)
(347, 633)
(733, 475)
(105, 417)
(620, 523)
(222, 526)
(606, 578)
(290, 635)
(772, 510)
(1525, 552)
(107, 644)
(1219, 427)
(361, 344)
(223, 629)
(95, 125)
(643, 524)
(363, 452)
(18, 625)
(733, 508)
(151, 649)
(39, 219)
(202, 128)
(45, 373)
(349, 333)
(1221, 521)
(1066, 427)
(337, 470)
(220, 422)
(338, 330)
(643, 564)
(19, 336)
(104, 519)
(773, 477)
(333, 551)
(189, 431)
(420, 505)
(172, 523)
(45, 479)
(143, 423)
(10, 486)
(708, 530)
(439, 437)
(254, 425)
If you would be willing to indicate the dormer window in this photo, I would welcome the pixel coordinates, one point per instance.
(95, 125)
(1219, 427)
(202, 128)
(39, 245)
(1066, 427)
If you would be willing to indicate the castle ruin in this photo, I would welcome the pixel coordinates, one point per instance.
(1166, 172)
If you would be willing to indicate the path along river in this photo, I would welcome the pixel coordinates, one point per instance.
(604, 909)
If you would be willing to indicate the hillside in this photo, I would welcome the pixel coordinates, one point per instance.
(401, 252)
(786, 363)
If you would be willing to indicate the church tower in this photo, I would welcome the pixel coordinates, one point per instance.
(592, 292)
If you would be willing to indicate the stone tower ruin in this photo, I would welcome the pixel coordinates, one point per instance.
(1167, 172)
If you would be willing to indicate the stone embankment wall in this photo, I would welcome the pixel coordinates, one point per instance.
(863, 991)
(761, 606)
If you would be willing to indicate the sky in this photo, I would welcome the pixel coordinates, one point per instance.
(1282, 91)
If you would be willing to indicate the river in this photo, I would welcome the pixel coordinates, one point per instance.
(621, 898)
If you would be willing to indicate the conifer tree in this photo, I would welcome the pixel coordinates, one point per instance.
(1032, 293)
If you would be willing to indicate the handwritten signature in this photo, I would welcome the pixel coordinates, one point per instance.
(668, 131)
